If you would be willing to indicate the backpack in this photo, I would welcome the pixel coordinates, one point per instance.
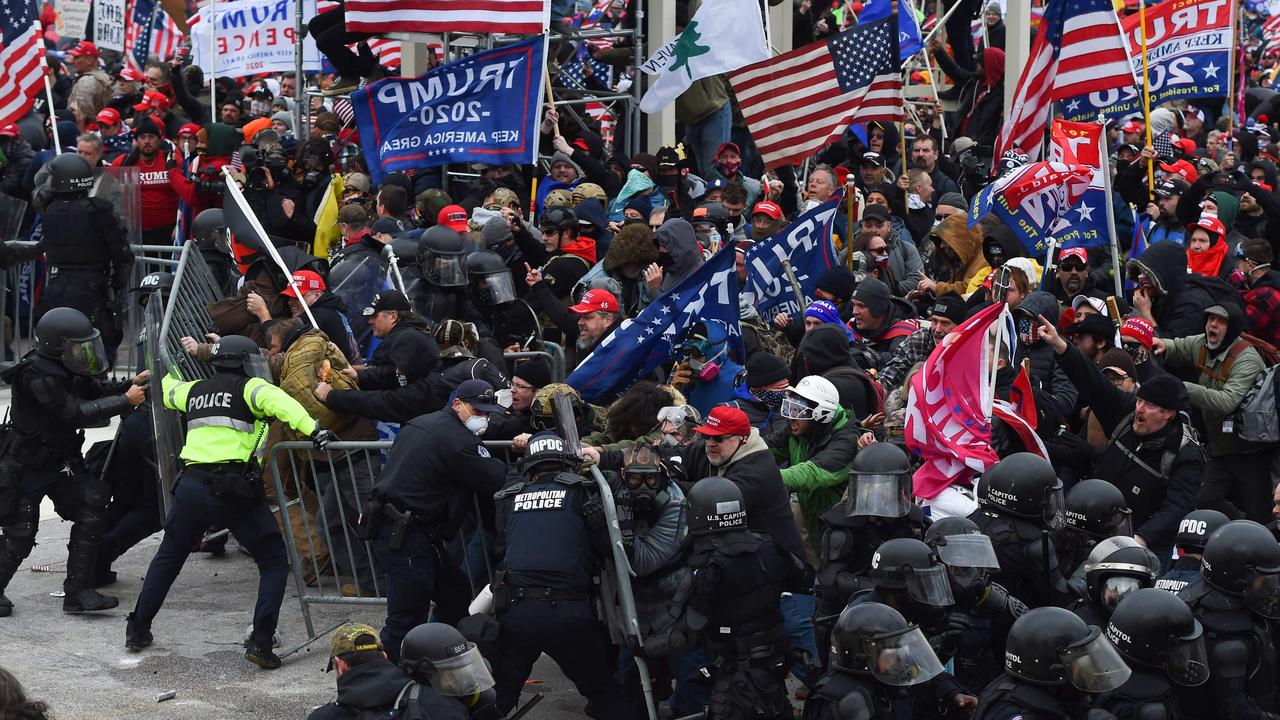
(770, 340)
(1256, 419)
(873, 391)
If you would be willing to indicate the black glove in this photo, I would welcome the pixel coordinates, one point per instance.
(321, 438)
(593, 512)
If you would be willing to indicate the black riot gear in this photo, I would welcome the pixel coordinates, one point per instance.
(490, 278)
(716, 507)
(1153, 629)
(1097, 509)
(1051, 646)
(438, 654)
(209, 230)
(1116, 567)
(442, 257)
(960, 543)
(239, 354)
(547, 449)
(1194, 529)
(69, 173)
(1023, 485)
(161, 282)
(1243, 558)
(874, 639)
(65, 334)
(880, 482)
(908, 564)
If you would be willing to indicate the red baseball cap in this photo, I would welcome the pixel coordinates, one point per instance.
(596, 300)
(453, 217)
(131, 74)
(9, 130)
(1136, 328)
(189, 129)
(1211, 223)
(1078, 253)
(724, 420)
(768, 207)
(1187, 144)
(109, 116)
(1131, 127)
(306, 280)
(84, 48)
(1182, 169)
(153, 100)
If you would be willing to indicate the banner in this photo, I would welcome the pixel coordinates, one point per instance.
(483, 108)
(806, 243)
(1031, 199)
(74, 16)
(721, 37)
(908, 29)
(1188, 56)
(253, 36)
(108, 24)
(640, 345)
(1085, 224)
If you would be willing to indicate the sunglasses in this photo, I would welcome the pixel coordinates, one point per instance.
(1072, 267)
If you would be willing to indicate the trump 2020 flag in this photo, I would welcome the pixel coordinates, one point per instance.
(722, 36)
(1031, 199)
(949, 408)
(639, 346)
(1085, 224)
(482, 108)
(806, 244)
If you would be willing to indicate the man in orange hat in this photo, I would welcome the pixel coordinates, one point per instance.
(92, 88)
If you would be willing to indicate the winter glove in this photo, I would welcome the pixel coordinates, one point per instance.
(321, 438)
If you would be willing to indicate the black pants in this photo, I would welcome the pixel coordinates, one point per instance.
(567, 631)
(1239, 486)
(331, 36)
(77, 497)
(135, 511)
(417, 573)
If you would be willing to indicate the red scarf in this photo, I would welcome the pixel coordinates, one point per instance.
(583, 247)
(1208, 262)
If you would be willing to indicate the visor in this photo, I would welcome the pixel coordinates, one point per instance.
(86, 356)
(794, 408)
(255, 365)
(968, 551)
(1263, 595)
(1115, 588)
(1188, 663)
(903, 659)
(931, 586)
(1055, 508)
(498, 287)
(462, 676)
(446, 270)
(880, 495)
(1095, 666)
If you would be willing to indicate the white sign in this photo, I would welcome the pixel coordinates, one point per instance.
(253, 36)
(74, 15)
(108, 24)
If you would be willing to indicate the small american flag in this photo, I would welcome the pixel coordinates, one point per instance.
(342, 107)
(1079, 50)
(1163, 144)
(573, 73)
(798, 101)
(21, 58)
(149, 33)
(166, 38)
(382, 17)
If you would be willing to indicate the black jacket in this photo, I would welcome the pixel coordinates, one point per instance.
(374, 686)
(396, 386)
(1179, 311)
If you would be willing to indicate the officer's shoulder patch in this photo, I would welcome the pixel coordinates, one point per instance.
(482, 451)
(510, 490)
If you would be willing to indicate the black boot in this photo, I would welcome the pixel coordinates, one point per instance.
(87, 600)
(136, 635)
(262, 655)
(6, 606)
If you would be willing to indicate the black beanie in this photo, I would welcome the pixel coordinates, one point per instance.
(875, 295)
(535, 371)
(837, 281)
(1165, 391)
(146, 126)
(764, 369)
(950, 306)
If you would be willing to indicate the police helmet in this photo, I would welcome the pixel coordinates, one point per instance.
(490, 278)
(874, 639)
(1195, 529)
(1053, 646)
(960, 543)
(239, 354)
(909, 564)
(1023, 485)
(209, 230)
(546, 447)
(438, 654)
(66, 334)
(1097, 509)
(716, 506)
(69, 173)
(441, 254)
(1243, 558)
(557, 219)
(1155, 629)
(880, 482)
(1116, 567)
(160, 281)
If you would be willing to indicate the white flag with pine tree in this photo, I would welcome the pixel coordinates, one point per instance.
(722, 36)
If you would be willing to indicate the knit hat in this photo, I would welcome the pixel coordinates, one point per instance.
(875, 295)
(825, 311)
(1136, 328)
(641, 204)
(647, 161)
(535, 371)
(1165, 391)
(950, 306)
(953, 199)
(764, 369)
(838, 281)
(496, 230)
(284, 117)
(146, 126)
(1256, 251)
(385, 225)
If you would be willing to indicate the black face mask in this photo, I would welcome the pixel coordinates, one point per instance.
(664, 259)
(668, 181)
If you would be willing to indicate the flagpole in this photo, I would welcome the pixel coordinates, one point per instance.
(213, 63)
(924, 42)
(1105, 170)
(1146, 98)
(53, 117)
(902, 125)
(1231, 75)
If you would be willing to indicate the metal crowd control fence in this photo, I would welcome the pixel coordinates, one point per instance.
(319, 496)
(554, 355)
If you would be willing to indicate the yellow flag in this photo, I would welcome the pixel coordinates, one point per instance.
(326, 219)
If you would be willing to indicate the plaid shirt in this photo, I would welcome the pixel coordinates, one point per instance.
(1262, 304)
(914, 349)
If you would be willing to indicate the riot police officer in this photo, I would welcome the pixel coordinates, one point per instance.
(1235, 598)
(1116, 567)
(88, 255)
(1053, 661)
(551, 538)
(1193, 532)
(876, 655)
(442, 293)
(877, 508)
(222, 484)
(1095, 510)
(209, 230)
(438, 656)
(1019, 503)
(56, 393)
(1164, 646)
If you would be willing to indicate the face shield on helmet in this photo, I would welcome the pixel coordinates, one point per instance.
(496, 288)
(795, 407)
(968, 551)
(1094, 665)
(931, 586)
(446, 270)
(903, 659)
(1263, 595)
(1115, 588)
(255, 365)
(879, 494)
(1188, 662)
(85, 356)
(463, 675)
(1054, 508)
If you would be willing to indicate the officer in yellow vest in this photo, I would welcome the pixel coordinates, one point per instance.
(222, 485)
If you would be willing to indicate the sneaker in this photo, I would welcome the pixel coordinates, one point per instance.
(6, 606)
(262, 657)
(136, 637)
(87, 600)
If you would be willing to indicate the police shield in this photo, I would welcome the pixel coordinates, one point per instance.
(355, 281)
(12, 210)
(166, 423)
(120, 186)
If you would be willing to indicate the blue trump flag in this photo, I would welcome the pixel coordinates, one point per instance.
(908, 31)
(806, 243)
(639, 346)
(482, 108)
(1031, 200)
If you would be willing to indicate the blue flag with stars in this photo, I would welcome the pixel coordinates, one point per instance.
(642, 345)
(908, 31)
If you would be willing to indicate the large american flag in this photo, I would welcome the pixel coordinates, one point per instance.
(381, 17)
(798, 101)
(21, 58)
(1079, 50)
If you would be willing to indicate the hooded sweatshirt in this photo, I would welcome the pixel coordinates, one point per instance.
(1178, 307)
(966, 244)
(677, 236)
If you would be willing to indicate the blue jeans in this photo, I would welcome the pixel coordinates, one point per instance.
(705, 137)
(797, 617)
(690, 695)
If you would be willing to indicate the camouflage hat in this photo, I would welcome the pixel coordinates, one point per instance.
(558, 199)
(430, 202)
(504, 197)
(589, 190)
(357, 181)
(352, 637)
(541, 407)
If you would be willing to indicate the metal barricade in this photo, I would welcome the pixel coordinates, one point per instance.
(319, 496)
(554, 355)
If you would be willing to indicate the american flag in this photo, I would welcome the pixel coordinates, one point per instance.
(1079, 50)
(798, 101)
(382, 17)
(573, 72)
(149, 33)
(1162, 143)
(21, 58)
(1271, 27)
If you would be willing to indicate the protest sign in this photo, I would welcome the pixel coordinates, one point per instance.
(253, 36)
(74, 16)
(108, 24)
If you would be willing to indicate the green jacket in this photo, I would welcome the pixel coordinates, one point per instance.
(817, 469)
(214, 443)
(1216, 398)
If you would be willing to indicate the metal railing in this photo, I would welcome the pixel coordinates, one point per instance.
(554, 355)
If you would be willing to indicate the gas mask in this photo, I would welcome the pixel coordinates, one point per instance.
(708, 369)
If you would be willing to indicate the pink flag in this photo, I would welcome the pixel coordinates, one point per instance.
(949, 410)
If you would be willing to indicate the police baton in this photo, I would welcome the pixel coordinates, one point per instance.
(525, 708)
